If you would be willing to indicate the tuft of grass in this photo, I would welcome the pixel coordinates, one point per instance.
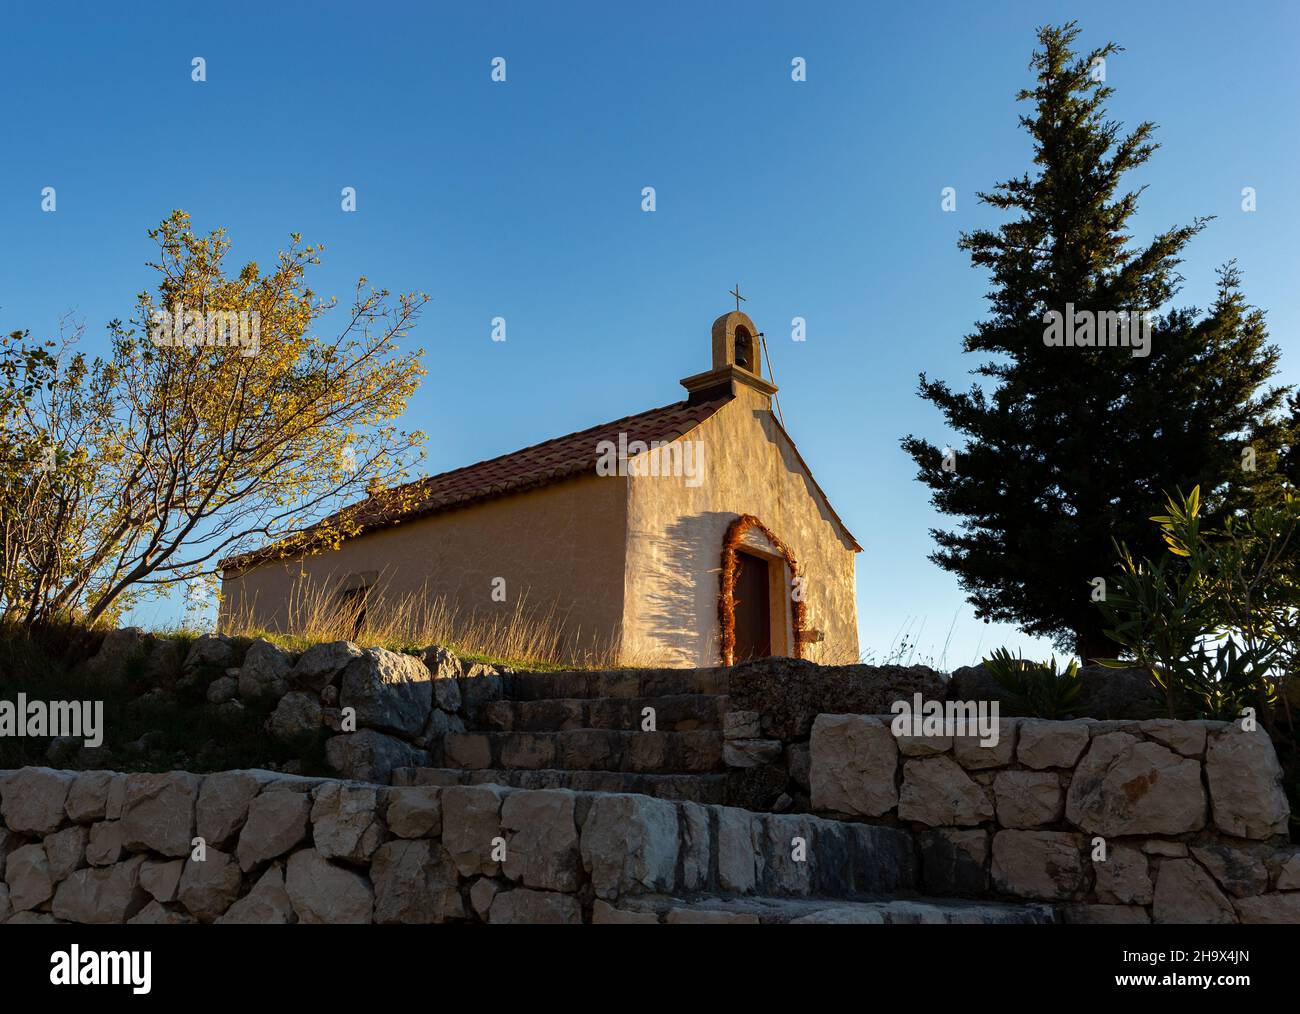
(526, 638)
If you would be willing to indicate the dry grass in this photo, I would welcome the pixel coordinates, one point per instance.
(515, 635)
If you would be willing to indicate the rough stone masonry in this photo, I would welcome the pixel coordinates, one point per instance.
(1111, 821)
(1191, 815)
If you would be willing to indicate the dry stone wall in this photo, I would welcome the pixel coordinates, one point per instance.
(104, 847)
(1112, 821)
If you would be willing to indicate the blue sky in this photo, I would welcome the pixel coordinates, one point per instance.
(523, 200)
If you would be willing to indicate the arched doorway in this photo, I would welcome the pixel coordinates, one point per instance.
(755, 587)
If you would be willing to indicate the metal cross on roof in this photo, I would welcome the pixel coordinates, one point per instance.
(736, 293)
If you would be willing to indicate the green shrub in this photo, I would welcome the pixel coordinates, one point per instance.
(1039, 689)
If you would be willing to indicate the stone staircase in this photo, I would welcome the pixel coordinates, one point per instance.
(684, 788)
(584, 731)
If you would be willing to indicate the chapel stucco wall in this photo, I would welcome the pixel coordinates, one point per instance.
(559, 544)
(675, 535)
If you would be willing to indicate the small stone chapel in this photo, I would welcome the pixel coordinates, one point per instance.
(687, 536)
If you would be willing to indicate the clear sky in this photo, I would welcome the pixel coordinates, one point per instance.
(523, 199)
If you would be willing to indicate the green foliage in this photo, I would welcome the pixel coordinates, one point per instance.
(1058, 449)
(1215, 619)
(1039, 689)
(128, 474)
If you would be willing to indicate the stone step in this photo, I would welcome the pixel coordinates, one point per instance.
(583, 685)
(587, 750)
(635, 844)
(703, 788)
(766, 910)
(672, 713)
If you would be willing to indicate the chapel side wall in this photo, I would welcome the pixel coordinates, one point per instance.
(560, 544)
(675, 534)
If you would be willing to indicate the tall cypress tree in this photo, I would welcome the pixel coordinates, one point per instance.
(1066, 448)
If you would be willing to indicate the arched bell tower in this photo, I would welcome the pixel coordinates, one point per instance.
(737, 359)
(735, 343)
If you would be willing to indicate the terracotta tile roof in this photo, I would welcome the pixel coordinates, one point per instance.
(529, 468)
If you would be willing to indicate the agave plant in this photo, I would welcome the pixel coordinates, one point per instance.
(1036, 688)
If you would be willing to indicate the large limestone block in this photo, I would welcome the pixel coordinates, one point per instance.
(265, 672)
(162, 879)
(923, 746)
(66, 851)
(471, 819)
(1282, 908)
(446, 695)
(1186, 738)
(442, 662)
(371, 756)
(1038, 864)
(1028, 798)
(345, 821)
(542, 839)
(298, 714)
(414, 811)
(936, 791)
(110, 894)
(522, 906)
(390, 692)
(223, 802)
(1123, 877)
(1046, 744)
(790, 852)
(742, 753)
(27, 872)
(737, 867)
(278, 821)
(119, 649)
(209, 652)
(32, 799)
(415, 882)
(971, 753)
(481, 895)
(267, 904)
(629, 844)
(853, 768)
(1287, 866)
(1238, 872)
(696, 845)
(224, 690)
(1124, 786)
(158, 814)
(320, 664)
(104, 846)
(324, 893)
(1246, 795)
(210, 887)
(1185, 893)
(88, 796)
